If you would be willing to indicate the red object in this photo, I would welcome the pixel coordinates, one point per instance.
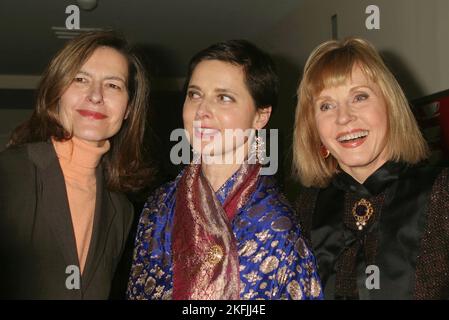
(325, 153)
(204, 249)
(92, 114)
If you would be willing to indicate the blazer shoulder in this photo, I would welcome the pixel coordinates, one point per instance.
(17, 187)
(15, 163)
(40, 154)
(12, 154)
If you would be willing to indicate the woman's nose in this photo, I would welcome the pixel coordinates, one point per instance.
(204, 110)
(344, 114)
(95, 94)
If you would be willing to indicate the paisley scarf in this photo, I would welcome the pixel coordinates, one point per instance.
(205, 257)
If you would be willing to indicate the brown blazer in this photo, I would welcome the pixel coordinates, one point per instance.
(37, 241)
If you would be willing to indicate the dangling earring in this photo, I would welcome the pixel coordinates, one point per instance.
(258, 148)
(196, 159)
(324, 152)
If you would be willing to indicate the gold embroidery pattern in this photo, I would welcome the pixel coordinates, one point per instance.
(251, 294)
(248, 249)
(315, 288)
(301, 248)
(294, 289)
(281, 224)
(259, 256)
(269, 264)
(282, 275)
(264, 236)
(150, 284)
(252, 277)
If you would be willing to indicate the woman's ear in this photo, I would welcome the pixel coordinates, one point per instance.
(262, 117)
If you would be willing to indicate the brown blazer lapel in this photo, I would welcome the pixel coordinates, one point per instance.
(104, 215)
(55, 207)
(54, 201)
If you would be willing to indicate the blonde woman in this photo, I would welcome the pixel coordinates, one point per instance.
(376, 216)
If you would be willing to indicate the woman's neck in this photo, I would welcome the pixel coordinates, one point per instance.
(360, 174)
(218, 171)
(80, 153)
(218, 174)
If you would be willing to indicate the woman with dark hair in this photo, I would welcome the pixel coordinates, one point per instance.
(64, 219)
(222, 229)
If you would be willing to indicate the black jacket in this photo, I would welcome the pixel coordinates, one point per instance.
(38, 253)
(404, 241)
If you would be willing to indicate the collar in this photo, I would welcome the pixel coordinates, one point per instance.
(79, 153)
(374, 184)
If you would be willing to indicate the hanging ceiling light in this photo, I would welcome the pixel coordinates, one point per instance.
(87, 5)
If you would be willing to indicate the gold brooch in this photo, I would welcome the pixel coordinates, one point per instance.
(362, 212)
(215, 254)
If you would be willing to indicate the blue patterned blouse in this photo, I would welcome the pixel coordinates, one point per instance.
(275, 262)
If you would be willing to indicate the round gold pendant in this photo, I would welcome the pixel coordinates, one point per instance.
(362, 212)
(215, 254)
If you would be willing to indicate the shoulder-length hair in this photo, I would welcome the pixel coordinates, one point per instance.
(124, 166)
(331, 64)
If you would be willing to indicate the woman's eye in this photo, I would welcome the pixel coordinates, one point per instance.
(326, 106)
(225, 98)
(114, 86)
(80, 79)
(361, 97)
(193, 95)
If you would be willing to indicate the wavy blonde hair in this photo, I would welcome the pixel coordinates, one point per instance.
(329, 65)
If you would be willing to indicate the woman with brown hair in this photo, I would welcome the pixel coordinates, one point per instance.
(63, 217)
(376, 216)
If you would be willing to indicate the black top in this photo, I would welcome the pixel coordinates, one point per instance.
(37, 243)
(396, 242)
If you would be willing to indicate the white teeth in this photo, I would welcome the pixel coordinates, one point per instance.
(207, 130)
(352, 136)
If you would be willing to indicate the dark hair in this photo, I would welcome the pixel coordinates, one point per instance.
(259, 69)
(124, 165)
